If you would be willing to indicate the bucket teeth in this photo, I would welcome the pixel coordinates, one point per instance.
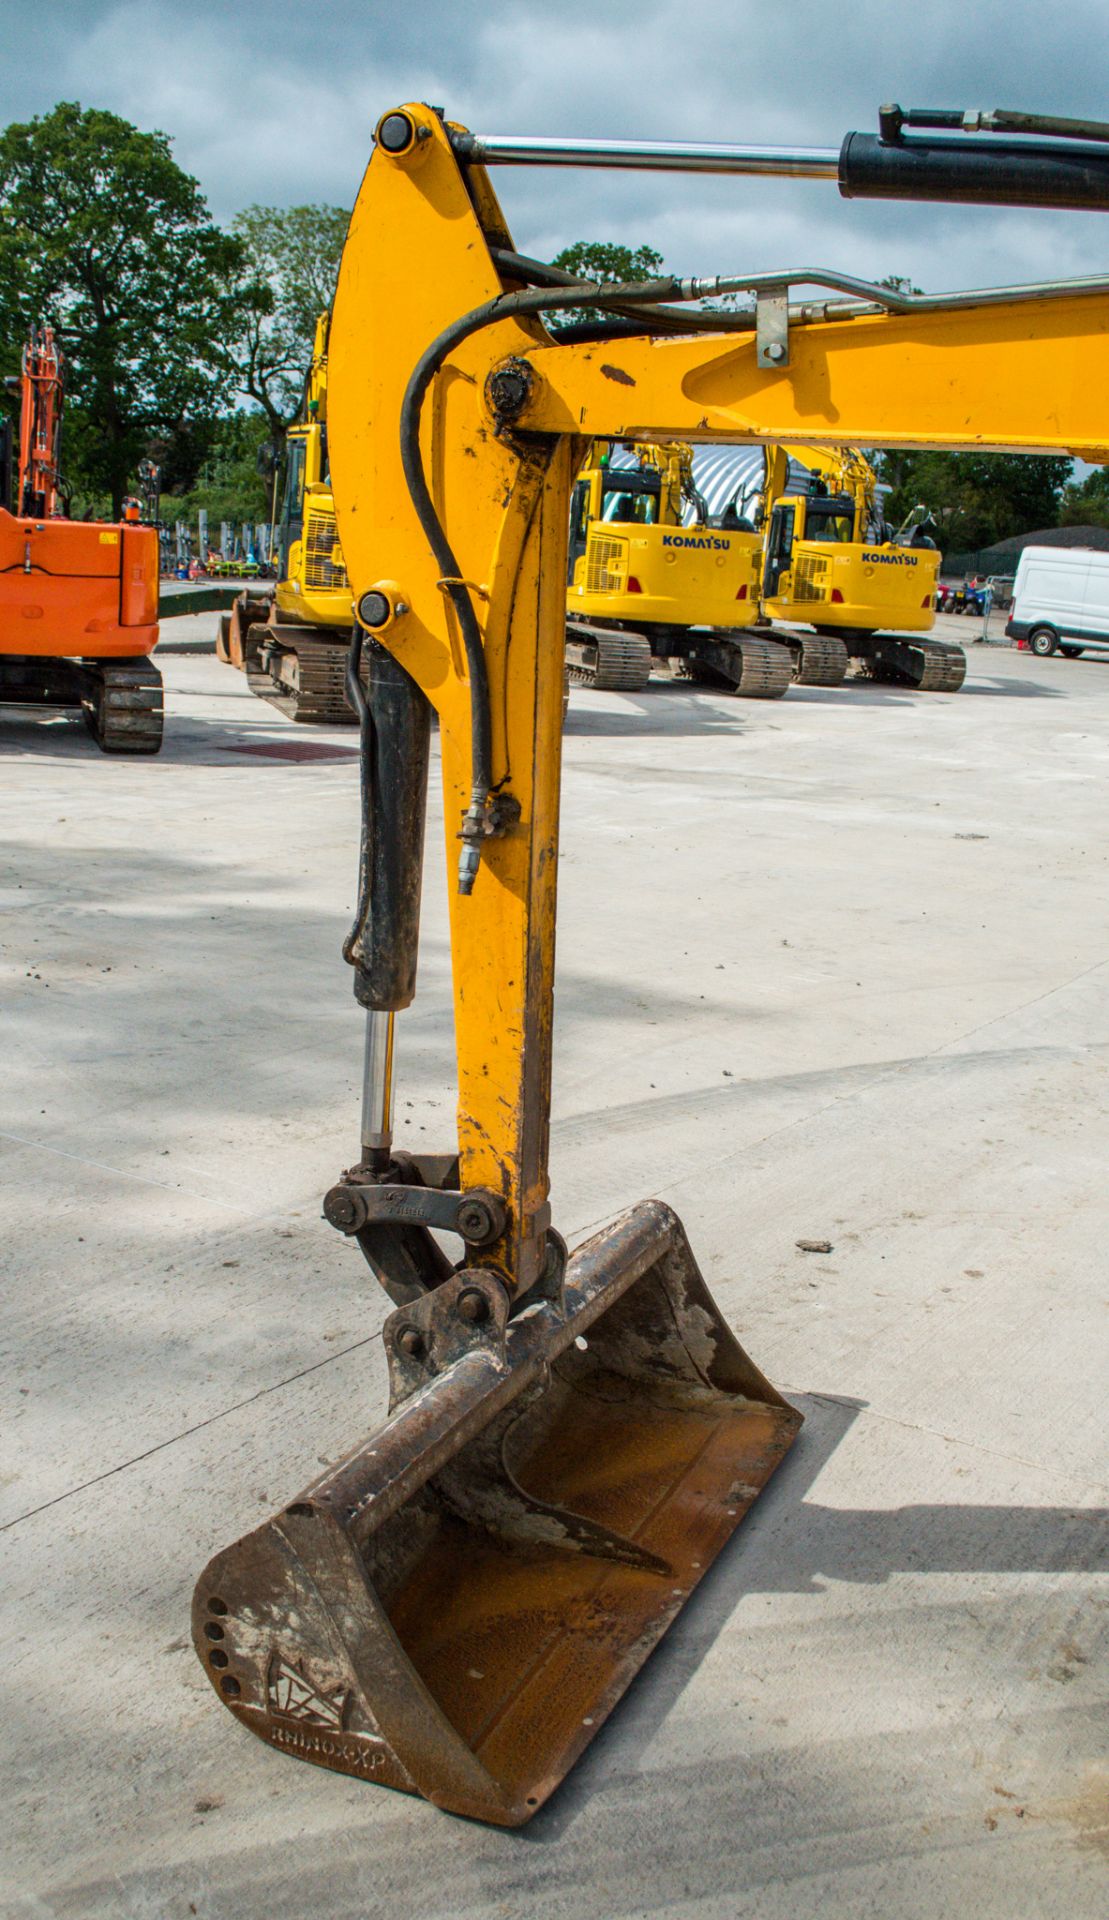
(457, 1606)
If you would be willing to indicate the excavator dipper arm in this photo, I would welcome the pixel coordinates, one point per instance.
(458, 1605)
(500, 428)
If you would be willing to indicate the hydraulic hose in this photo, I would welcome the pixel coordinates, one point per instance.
(645, 298)
(642, 295)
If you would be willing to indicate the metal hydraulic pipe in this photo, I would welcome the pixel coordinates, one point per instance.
(377, 1086)
(525, 150)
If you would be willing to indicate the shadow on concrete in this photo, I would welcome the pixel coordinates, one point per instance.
(38, 734)
(1010, 690)
(646, 713)
(789, 1544)
(760, 1819)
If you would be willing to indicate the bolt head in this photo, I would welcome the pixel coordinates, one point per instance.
(341, 1208)
(411, 1341)
(475, 1222)
(374, 609)
(395, 132)
(775, 351)
(509, 386)
(473, 1306)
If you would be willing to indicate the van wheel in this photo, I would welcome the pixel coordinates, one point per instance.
(1072, 653)
(1043, 641)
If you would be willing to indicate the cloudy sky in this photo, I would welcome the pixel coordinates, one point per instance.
(275, 101)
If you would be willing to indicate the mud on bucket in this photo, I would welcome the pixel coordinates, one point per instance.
(456, 1608)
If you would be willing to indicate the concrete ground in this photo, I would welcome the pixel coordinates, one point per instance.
(834, 967)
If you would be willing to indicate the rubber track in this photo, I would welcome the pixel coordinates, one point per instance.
(819, 660)
(929, 666)
(320, 699)
(621, 662)
(126, 712)
(757, 669)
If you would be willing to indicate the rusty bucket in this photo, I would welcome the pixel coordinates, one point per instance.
(457, 1607)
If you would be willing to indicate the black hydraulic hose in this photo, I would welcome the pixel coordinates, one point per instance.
(571, 293)
(453, 585)
(518, 266)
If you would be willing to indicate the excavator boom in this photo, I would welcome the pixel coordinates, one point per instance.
(40, 426)
(457, 1606)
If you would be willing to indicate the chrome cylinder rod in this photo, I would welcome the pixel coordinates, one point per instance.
(525, 150)
(377, 1086)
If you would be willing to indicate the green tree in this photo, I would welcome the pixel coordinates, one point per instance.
(106, 238)
(226, 480)
(607, 262)
(977, 498)
(293, 255)
(1086, 502)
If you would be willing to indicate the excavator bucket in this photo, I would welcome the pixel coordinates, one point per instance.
(457, 1606)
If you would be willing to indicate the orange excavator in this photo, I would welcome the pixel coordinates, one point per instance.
(78, 598)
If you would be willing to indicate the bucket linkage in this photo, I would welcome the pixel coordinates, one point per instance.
(457, 1606)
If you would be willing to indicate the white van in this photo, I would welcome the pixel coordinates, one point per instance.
(1061, 600)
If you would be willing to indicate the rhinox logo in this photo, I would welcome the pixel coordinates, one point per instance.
(705, 540)
(294, 1697)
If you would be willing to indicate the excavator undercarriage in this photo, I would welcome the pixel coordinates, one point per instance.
(300, 670)
(609, 659)
(898, 660)
(752, 664)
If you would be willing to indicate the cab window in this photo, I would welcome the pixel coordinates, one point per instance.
(631, 499)
(292, 502)
(829, 520)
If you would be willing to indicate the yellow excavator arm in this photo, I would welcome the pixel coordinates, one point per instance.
(674, 464)
(846, 470)
(315, 383)
(499, 434)
(457, 1605)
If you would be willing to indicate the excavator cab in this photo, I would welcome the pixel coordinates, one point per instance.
(289, 529)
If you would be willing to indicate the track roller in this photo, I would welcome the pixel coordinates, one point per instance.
(928, 666)
(299, 673)
(819, 659)
(123, 704)
(607, 658)
(742, 663)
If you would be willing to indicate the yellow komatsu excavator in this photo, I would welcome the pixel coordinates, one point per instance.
(292, 643)
(868, 590)
(456, 1606)
(641, 586)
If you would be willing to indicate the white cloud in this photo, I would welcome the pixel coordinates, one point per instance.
(276, 102)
